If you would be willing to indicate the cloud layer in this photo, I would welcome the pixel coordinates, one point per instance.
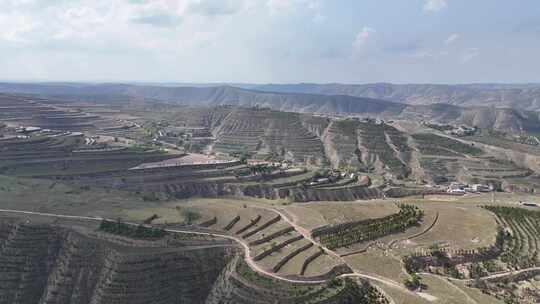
(435, 5)
(268, 40)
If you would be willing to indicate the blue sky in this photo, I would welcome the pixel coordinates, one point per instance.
(279, 41)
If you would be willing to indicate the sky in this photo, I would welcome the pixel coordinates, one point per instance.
(270, 41)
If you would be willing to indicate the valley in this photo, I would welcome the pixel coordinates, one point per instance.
(332, 208)
(269, 152)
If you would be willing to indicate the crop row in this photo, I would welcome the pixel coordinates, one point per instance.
(356, 232)
(521, 235)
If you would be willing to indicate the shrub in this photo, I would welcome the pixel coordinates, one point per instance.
(190, 216)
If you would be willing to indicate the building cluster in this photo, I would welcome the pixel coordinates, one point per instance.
(459, 188)
(27, 130)
(458, 131)
(462, 131)
(280, 165)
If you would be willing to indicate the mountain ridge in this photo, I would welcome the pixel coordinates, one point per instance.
(517, 96)
(491, 117)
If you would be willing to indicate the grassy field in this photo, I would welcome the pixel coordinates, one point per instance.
(317, 214)
(224, 209)
(440, 291)
(54, 197)
(445, 292)
(463, 226)
(378, 262)
(460, 224)
(401, 297)
(477, 295)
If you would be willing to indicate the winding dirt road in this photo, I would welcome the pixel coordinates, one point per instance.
(307, 235)
(248, 257)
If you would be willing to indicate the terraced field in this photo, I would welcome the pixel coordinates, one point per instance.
(385, 147)
(445, 168)
(262, 207)
(53, 114)
(515, 247)
(66, 155)
(241, 131)
(489, 168)
(441, 169)
(521, 236)
(249, 287)
(287, 133)
(269, 133)
(506, 270)
(350, 143)
(431, 144)
(58, 265)
(277, 246)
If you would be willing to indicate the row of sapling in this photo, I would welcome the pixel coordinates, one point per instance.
(124, 229)
(351, 233)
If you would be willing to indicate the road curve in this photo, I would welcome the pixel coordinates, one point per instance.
(306, 234)
(248, 258)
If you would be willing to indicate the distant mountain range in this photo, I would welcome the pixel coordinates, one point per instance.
(460, 104)
(219, 95)
(517, 96)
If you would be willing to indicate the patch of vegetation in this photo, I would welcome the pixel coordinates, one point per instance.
(435, 145)
(414, 282)
(137, 232)
(190, 216)
(346, 234)
(521, 235)
(439, 127)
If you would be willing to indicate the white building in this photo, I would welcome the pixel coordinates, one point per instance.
(480, 188)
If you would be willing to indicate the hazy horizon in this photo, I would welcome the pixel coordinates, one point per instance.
(270, 41)
(240, 84)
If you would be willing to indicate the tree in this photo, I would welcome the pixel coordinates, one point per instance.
(334, 283)
(190, 216)
(414, 282)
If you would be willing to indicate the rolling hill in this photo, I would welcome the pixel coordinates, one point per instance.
(220, 95)
(444, 104)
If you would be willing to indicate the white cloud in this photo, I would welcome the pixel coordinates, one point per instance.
(214, 8)
(363, 37)
(451, 39)
(281, 6)
(434, 5)
(470, 54)
(112, 25)
(277, 6)
(17, 28)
